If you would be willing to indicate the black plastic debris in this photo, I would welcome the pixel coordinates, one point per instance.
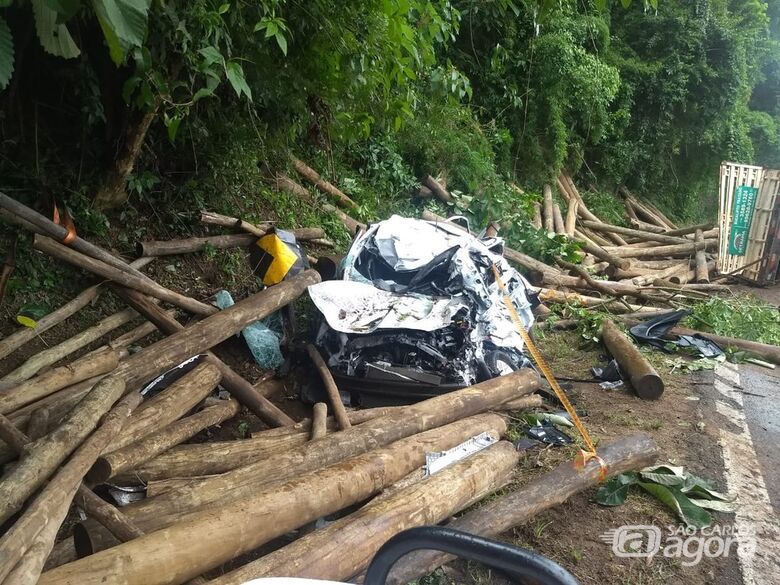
(609, 373)
(549, 434)
(165, 379)
(655, 332)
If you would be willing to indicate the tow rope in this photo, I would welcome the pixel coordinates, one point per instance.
(585, 455)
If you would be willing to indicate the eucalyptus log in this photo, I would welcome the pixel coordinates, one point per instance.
(54, 354)
(688, 249)
(46, 455)
(345, 547)
(56, 379)
(11, 435)
(695, 287)
(108, 515)
(285, 183)
(547, 209)
(212, 218)
(330, 386)
(635, 220)
(182, 551)
(523, 403)
(162, 355)
(692, 229)
(639, 267)
(702, 271)
(690, 275)
(602, 254)
(206, 459)
(560, 228)
(329, 189)
(524, 503)
(549, 295)
(642, 235)
(681, 267)
(190, 245)
(424, 193)
(595, 237)
(97, 508)
(568, 190)
(131, 456)
(537, 218)
(765, 351)
(238, 387)
(39, 524)
(196, 461)
(319, 419)
(440, 192)
(607, 286)
(571, 216)
(170, 404)
(643, 377)
(18, 338)
(120, 276)
(58, 403)
(171, 506)
(43, 457)
(647, 210)
(38, 426)
(43, 226)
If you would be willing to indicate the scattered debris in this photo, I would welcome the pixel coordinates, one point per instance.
(655, 332)
(549, 434)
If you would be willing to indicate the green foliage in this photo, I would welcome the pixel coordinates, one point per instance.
(687, 495)
(744, 317)
(123, 22)
(6, 53)
(588, 321)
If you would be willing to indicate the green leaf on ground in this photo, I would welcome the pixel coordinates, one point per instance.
(615, 490)
(678, 502)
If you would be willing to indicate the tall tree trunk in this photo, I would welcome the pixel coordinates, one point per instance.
(113, 193)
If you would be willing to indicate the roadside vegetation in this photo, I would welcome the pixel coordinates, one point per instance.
(137, 114)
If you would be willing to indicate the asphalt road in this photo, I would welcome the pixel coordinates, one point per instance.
(761, 403)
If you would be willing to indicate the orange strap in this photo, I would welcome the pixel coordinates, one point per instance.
(65, 221)
(584, 455)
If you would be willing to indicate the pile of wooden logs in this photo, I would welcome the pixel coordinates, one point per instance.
(69, 426)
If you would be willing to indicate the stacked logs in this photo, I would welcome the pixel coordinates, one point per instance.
(70, 425)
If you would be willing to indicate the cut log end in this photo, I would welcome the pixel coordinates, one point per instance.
(648, 386)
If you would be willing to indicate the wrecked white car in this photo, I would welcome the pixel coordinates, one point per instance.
(415, 311)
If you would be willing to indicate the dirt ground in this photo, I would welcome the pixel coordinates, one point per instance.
(678, 422)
